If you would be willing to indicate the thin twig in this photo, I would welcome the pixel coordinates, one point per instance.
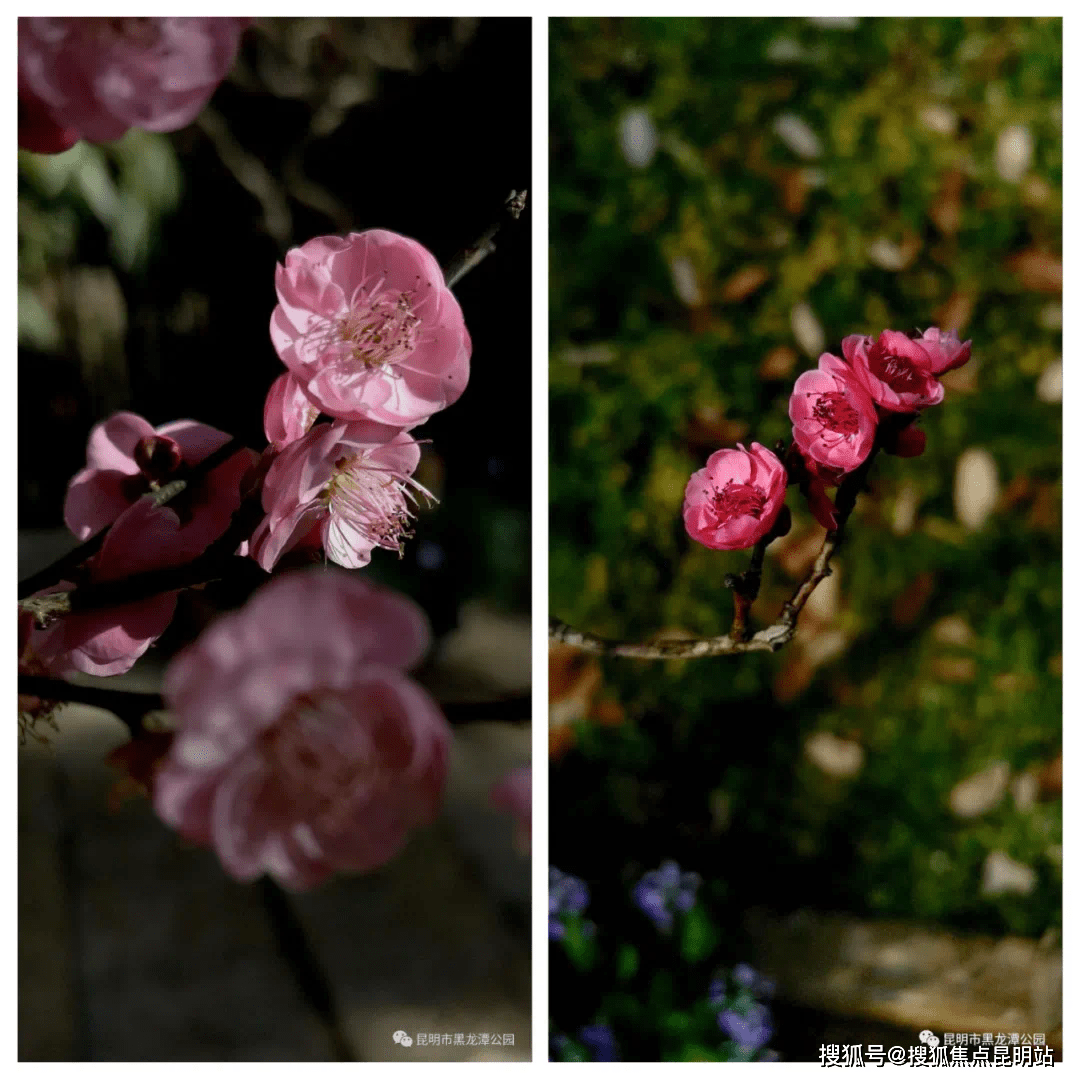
(471, 257)
(771, 639)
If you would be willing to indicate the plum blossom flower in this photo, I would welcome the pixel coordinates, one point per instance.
(301, 746)
(897, 372)
(108, 641)
(945, 350)
(287, 414)
(734, 501)
(369, 328)
(126, 458)
(351, 480)
(513, 793)
(93, 78)
(833, 416)
(661, 893)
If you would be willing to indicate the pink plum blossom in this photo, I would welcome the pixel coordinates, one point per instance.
(301, 747)
(288, 414)
(93, 78)
(513, 793)
(126, 457)
(352, 480)
(833, 415)
(945, 350)
(897, 372)
(734, 501)
(369, 328)
(108, 641)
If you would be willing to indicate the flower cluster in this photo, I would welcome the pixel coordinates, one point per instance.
(840, 413)
(93, 78)
(663, 893)
(745, 1020)
(374, 340)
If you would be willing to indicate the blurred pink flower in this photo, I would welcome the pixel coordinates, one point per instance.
(944, 349)
(352, 479)
(909, 441)
(109, 641)
(833, 415)
(897, 372)
(734, 501)
(288, 414)
(96, 77)
(301, 748)
(126, 456)
(369, 328)
(513, 793)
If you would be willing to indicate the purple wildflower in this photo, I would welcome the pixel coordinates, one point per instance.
(751, 1030)
(600, 1039)
(660, 893)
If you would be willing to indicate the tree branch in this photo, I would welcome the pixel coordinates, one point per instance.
(471, 257)
(772, 638)
(130, 705)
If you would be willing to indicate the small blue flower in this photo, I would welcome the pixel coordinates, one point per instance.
(660, 893)
(600, 1039)
(746, 976)
(717, 990)
(567, 895)
(751, 1031)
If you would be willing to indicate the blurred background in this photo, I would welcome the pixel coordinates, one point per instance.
(146, 282)
(876, 809)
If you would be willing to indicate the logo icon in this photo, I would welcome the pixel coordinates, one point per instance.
(403, 1037)
(928, 1037)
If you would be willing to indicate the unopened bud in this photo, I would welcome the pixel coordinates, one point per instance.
(158, 456)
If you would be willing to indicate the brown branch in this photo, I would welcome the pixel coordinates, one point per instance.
(55, 571)
(471, 257)
(130, 705)
(771, 639)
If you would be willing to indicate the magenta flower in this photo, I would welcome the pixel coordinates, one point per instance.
(288, 414)
(734, 501)
(897, 372)
(833, 416)
(109, 641)
(369, 328)
(945, 350)
(301, 747)
(126, 457)
(513, 793)
(354, 480)
(93, 78)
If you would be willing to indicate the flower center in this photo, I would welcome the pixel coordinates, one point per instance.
(833, 411)
(381, 333)
(738, 500)
(374, 499)
(317, 768)
(897, 373)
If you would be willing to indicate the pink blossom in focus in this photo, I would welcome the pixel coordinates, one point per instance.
(109, 641)
(897, 372)
(288, 414)
(126, 455)
(353, 480)
(945, 350)
(96, 77)
(369, 328)
(734, 501)
(513, 793)
(301, 747)
(833, 415)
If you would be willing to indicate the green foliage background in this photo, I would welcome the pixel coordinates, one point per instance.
(644, 385)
